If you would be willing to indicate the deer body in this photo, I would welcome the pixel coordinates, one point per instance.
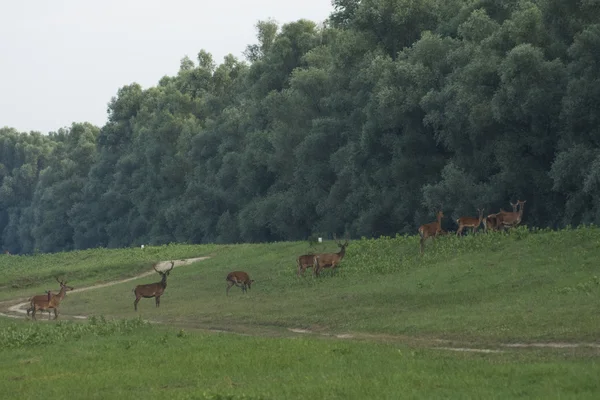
(240, 279)
(305, 261)
(431, 229)
(469, 222)
(48, 302)
(152, 289)
(329, 260)
(514, 218)
(505, 219)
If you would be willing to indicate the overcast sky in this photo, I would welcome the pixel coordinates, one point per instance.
(61, 61)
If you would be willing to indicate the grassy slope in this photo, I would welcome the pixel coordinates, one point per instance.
(486, 288)
(125, 359)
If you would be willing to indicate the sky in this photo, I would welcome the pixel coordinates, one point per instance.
(62, 61)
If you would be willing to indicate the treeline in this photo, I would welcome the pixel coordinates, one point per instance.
(363, 126)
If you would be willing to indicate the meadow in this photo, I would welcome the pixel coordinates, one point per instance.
(377, 327)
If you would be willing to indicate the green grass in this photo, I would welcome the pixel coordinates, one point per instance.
(474, 291)
(130, 359)
(26, 275)
(526, 286)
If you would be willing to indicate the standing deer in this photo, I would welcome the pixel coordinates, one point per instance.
(305, 261)
(469, 222)
(152, 289)
(494, 221)
(47, 302)
(326, 260)
(505, 219)
(431, 229)
(240, 279)
(514, 218)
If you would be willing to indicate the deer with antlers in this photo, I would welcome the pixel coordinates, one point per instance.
(152, 289)
(48, 301)
(240, 279)
(330, 260)
(305, 261)
(469, 222)
(432, 229)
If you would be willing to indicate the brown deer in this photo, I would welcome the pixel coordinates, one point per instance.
(431, 229)
(240, 279)
(469, 222)
(47, 302)
(494, 221)
(327, 260)
(305, 261)
(513, 218)
(152, 289)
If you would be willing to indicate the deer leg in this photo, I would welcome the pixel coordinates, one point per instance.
(421, 244)
(135, 303)
(229, 285)
(459, 230)
(33, 314)
(55, 313)
(157, 301)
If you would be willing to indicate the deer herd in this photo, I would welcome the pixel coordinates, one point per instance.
(498, 221)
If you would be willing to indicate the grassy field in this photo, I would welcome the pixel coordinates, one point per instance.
(128, 359)
(481, 291)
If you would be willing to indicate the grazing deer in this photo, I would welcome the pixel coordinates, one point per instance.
(240, 279)
(305, 261)
(47, 302)
(469, 222)
(152, 289)
(431, 229)
(327, 260)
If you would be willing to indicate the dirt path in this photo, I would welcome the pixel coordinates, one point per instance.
(16, 308)
(13, 310)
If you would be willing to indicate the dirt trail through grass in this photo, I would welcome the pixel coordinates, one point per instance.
(12, 310)
(16, 308)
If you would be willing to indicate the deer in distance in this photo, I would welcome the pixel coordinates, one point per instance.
(330, 260)
(431, 229)
(505, 219)
(469, 222)
(152, 289)
(240, 279)
(305, 261)
(48, 301)
(511, 219)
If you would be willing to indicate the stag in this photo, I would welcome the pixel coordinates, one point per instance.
(469, 222)
(305, 261)
(240, 279)
(152, 289)
(48, 301)
(330, 260)
(431, 229)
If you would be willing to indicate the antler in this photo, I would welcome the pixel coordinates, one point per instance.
(172, 265)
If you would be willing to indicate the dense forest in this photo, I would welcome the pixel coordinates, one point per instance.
(362, 125)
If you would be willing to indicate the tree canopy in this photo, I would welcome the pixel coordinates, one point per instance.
(363, 125)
